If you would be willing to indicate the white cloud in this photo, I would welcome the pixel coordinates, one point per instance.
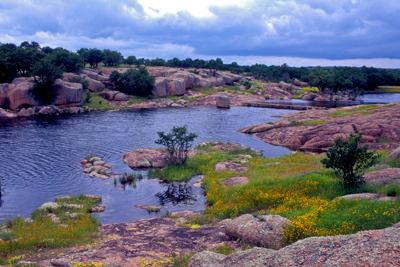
(199, 9)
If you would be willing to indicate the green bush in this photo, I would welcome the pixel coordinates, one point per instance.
(136, 82)
(349, 161)
(178, 142)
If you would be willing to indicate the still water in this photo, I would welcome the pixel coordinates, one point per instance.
(40, 156)
(366, 99)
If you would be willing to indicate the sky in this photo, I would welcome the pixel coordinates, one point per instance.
(271, 32)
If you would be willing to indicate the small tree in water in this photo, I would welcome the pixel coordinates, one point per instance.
(178, 142)
(349, 161)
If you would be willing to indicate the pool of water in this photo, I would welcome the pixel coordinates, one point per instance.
(40, 156)
(366, 99)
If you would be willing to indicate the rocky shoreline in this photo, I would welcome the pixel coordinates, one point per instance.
(315, 130)
(16, 98)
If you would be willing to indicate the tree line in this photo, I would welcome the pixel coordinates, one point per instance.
(17, 61)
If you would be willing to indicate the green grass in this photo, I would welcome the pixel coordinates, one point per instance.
(96, 102)
(136, 100)
(390, 89)
(365, 110)
(206, 91)
(44, 233)
(199, 164)
(385, 140)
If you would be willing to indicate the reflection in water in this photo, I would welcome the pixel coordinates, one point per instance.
(177, 193)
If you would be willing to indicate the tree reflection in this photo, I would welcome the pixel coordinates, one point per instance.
(177, 193)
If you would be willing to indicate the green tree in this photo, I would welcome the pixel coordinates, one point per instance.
(70, 62)
(112, 58)
(47, 73)
(94, 57)
(136, 82)
(178, 143)
(349, 161)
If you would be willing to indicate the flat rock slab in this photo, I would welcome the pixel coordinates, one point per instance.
(394, 155)
(149, 240)
(150, 158)
(266, 231)
(230, 166)
(366, 248)
(383, 177)
(367, 196)
(236, 181)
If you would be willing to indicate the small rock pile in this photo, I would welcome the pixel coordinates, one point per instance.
(95, 167)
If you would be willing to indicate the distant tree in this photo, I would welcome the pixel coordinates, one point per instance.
(112, 58)
(45, 73)
(47, 50)
(136, 82)
(94, 57)
(131, 60)
(70, 62)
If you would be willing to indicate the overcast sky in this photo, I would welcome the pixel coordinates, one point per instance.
(272, 32)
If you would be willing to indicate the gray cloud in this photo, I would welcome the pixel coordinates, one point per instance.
(333, 30)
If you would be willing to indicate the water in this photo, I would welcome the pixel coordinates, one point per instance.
(40, 156)
(366, 99)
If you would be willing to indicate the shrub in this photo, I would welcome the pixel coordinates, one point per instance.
(136, 82)
(349, 161)
(178, 142)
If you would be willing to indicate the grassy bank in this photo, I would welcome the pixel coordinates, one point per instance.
(75, 226)
(296, 187)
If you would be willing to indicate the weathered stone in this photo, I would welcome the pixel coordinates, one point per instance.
(67, 93)
(394, 155)
(201, 81)
(6, 114)
(98, 162)
(76, 110)
(108, 95)
(381, 123)
(20, 95)
(95, 86)
(50, 110)
(148, 208)
(49, 205)
(230, 166)
(26, 112)
(266, 231)
(61, 263)
(187, 77)
(300, 83)
(367, 196)
(120, 97)
(175, 86)
(98, 208)
(135, 160)
(285, 86)
(223, 101)
(160, 87)
(236, 181)
(383, 177)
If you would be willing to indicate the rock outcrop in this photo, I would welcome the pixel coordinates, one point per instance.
(266, 231)
(223, 101)
(394, 155)
(366, 248)
(18, 94)
(236, 181)
(6, 114)
(150, 158)
(375, 125)
(383, 177)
